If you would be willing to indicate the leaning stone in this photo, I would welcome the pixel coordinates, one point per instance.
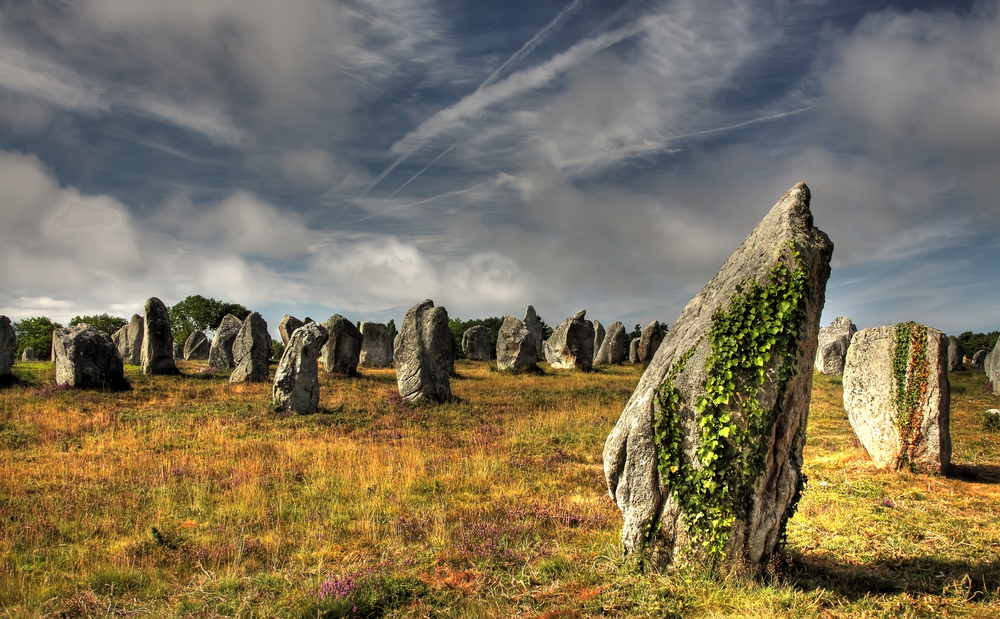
(599, 335)
(833, 344)
(220, 355)
(784, 254)
(896, 395)
(197, 346)
(376, 350)
(28, 355)
(979, 359)
(572, 344)
(425, 356)
(633, 351)
(252, 351)
(956, 354)
(534, 326)
(296, 382)
(476, 343)
(287, 327)
(129, 340)
(649, 341)
(8, 347)
(157, 341)
(86, 357)
(613, 346)
(515, 347)
(342, 350)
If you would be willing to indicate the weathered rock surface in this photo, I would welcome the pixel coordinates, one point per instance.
(956, 354)
(979, 359)
(86, 357)
(918, 436)
(287, 327)
(342, 351)
(197, 347)
(572, 344)
(376, 350)
(220, 355)
(599, 335)
(655, 523)
(157, 341)
(425, 356)
(476, 343)
(296, 382)
(649, 341)
(534, 325)
(516, 346)
(633, 351)
(991, 363)
(8, 347)
(28, 355)
(833, 344)
(613, 346)
(128, 339)
(251, 351)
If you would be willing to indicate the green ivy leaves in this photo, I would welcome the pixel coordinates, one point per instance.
(910, 371)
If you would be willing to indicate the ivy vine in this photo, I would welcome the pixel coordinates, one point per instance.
(910, 372)
(715, 487)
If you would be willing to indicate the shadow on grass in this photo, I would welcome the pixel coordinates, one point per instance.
(976, 473)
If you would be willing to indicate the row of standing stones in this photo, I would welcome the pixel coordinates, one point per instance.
(729, 384)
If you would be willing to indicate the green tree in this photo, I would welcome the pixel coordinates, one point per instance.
(104, 322)
(36, 333)
(974, 342)
(197, 313)
(390, 328)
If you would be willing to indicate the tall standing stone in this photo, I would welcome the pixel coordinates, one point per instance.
(220, 355)
(87, 357)
(197, 346)
(572, 344)
(516, 347)
(252, 351)
(991, 364)
(8, 347)
(633, 351)
(668, 426)
(28, 355)
(833, 344)
(979, 359)
(956, 354)
(425, 356)
(287, 327)
(296, 382)
(897, 396)
(534, 326)
(476, 343)
(613, 346)
(157, 341)
(599, 335)
(376, 350)
(342, 350)
(129, 340)
(649, 341)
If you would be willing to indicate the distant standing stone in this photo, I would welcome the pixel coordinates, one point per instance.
(833, 344)
(599, 335)
(296, 382)
(86, 357)
(516, 346)
(633, 351)
(649, 342)
(28, 355)
(342, 351)
(220, 355)
(376, 350)
(287, 327)
(572, 343)
(534, 326)
(252, 351)
(897, 396)
(979, 359)
(129, 340)
(476, 343)
(613, 347)
(956, 354)
(197, 346)
(425, 356)
(8, 347)
(157, 341)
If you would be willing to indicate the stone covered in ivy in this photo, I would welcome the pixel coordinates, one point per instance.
(705, 460)
(897, 396)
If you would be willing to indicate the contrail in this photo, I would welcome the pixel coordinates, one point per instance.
(412, 178)
(738, 125)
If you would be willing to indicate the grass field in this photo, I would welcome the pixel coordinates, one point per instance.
(187, 496)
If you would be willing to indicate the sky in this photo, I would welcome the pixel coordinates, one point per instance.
(313, 157)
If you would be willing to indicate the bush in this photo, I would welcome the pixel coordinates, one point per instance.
(991, 419)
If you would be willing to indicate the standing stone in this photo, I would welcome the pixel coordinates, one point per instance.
(129, 340)
(220, 355)
(992, 366)
(425, 355)
(342, 351)
(287, 327)
(87, 357)
(613, 346)
(28, 355)
(649, 341)
(599, 335)
(633, 351)
(8, 347)
(572, 344)
(197, 347)
(178, 352)
(833, 344)
(534, 326)
(157, 341)
(296, 382)
(549, 354)
(376, 351)
(763, 483)
(516, 347)
(476, 343)
(979, 359)
(956, 354)
(897, 398)
(252, 351)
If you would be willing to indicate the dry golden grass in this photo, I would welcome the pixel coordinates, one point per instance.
(187, 496)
